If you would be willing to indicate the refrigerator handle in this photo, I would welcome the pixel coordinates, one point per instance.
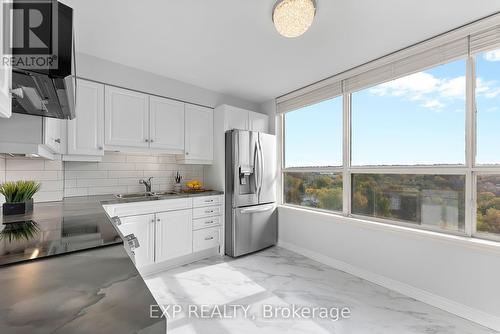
(257, 168)
(265, 208)
(261, 166)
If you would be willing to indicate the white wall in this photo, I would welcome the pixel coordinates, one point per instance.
(120, 173)
(90, 67)
(453, 273)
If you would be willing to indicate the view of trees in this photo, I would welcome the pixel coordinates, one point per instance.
(433, 200)
(316, 190)
(488, 203)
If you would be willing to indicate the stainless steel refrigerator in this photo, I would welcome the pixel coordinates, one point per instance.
(251, 215)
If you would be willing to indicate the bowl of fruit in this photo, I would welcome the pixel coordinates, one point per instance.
(194, 185)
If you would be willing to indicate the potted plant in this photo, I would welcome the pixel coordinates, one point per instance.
(18, 196)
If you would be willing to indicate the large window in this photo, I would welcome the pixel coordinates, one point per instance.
(413, 139)
(313, 154)
(434, 201)
(415, 120)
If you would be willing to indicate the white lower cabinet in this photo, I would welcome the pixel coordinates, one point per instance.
(143, 228)
(171, 229)
(173, 234)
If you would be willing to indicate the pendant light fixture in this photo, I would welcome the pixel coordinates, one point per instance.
(292, 18)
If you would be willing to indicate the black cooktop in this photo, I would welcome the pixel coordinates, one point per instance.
(55, 228)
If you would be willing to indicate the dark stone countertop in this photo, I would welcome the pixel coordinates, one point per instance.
(54, 228)
(94, 291)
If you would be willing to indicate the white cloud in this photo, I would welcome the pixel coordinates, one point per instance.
(454, 88)
(424, 87)
(487, 89)
(492, 55)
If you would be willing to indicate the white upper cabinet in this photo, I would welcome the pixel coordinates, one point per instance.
(86, 131)
(258, 122)
(174, 234)
(5, 75)
(52, 134)
(166, 124)
(199, 135)
(237, 118)
(126, 118)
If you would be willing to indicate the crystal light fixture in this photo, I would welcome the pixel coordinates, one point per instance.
(292, 18)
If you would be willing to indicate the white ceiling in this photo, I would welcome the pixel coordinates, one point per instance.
(230, 46)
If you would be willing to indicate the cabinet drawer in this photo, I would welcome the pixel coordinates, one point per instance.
(205, 239)
(207, 211)
(206, 222)
(206, 201)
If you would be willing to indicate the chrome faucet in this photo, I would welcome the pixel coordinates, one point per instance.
(147, 184)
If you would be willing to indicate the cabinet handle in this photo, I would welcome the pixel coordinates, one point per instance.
(209, 238)
(158, 220)
(209, 211)
(209, 201)
(187, 153)
(58, 140)
(209, 222)
(146, 140)
(101, 148)
(151, 140)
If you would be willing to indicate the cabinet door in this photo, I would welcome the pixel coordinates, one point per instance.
(5, 74)
(258, 122)
(86, 131)
(126, 118)
(143, 227)
(174, 234)
(166, 124)
(237, 119)
(199, 135)
(52, 134)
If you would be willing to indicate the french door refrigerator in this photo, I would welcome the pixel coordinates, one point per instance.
(251, 215)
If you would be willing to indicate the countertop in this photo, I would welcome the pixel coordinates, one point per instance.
(94, 291)
(55, 228)
(110, 200)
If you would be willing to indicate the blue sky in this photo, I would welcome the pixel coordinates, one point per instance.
(417, 119)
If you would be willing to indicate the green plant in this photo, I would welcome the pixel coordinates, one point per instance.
(19, 191)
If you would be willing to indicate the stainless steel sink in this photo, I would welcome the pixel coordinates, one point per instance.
(135, 195)
(165, 193)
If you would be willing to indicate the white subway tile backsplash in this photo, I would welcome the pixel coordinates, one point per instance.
(120, 173)
(38, 175)
(23, 164)
(117, 173)
(85, 174)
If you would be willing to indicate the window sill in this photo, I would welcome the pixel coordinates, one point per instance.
(472, 242)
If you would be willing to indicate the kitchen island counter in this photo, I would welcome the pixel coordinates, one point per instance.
(94, 291)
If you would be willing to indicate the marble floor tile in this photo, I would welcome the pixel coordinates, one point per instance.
(280, 278)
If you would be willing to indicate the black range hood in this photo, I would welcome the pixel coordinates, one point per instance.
(48, 92)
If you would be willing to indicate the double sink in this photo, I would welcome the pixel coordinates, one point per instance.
(145, 195)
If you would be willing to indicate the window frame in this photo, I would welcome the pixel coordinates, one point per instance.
(326, 169)
(470, 170)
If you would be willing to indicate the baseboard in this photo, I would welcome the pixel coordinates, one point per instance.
(461, 310)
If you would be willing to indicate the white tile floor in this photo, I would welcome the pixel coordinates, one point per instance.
(279, 277)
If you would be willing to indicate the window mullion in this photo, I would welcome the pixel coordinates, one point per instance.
(346, 163)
